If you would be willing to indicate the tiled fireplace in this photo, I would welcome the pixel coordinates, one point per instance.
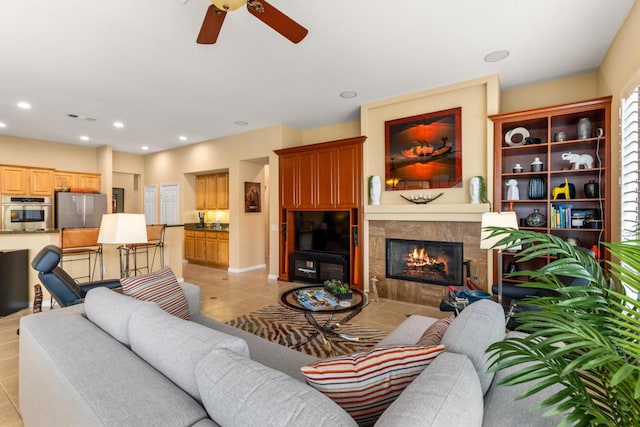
(415, 229)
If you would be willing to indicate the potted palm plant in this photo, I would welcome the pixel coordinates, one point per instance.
(585, 338)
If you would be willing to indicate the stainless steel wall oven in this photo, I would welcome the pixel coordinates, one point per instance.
(27, 213)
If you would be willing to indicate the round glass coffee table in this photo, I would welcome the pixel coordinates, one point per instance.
(320, 309)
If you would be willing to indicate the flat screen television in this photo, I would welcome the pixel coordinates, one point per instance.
(323, 231)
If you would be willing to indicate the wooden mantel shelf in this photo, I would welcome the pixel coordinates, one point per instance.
(463, 212)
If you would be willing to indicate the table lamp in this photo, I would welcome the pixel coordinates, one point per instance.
(123, 229)
(496, 219)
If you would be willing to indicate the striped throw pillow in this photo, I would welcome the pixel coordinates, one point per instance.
(364, 384)
(433, 334)
(160, 287)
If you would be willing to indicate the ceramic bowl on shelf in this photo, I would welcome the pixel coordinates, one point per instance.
(509, 140)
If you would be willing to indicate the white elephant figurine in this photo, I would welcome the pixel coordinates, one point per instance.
(578, 159)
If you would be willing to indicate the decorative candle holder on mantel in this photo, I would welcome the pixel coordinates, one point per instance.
(421, 199)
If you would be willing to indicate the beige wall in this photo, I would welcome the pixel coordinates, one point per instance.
(618, 73)
(478, 98)
(46, 154)
(233, 154)
(554, 92)
(331, 133)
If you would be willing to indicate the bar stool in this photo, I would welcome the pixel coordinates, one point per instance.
(152, 249)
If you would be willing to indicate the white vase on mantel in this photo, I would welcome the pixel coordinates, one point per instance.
(375, 189)
(474, 189)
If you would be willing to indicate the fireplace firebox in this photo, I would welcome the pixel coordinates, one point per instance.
(433, 262)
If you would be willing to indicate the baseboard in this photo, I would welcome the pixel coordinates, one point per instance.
(245, 269)
(272, 277)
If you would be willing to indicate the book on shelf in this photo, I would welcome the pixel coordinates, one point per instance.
(560, 215)
(316, 299)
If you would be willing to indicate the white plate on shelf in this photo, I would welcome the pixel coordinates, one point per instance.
(344, 304)
(517, 131)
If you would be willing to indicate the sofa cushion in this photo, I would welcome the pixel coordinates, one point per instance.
(446, 393)
(160, 287)
(409, 331)
(476, 327)
(433, 334)
(366, 383)
(269, 353)
(237, 391)
(502, 408)
(111, 311)
(175, 346)
(73, 373)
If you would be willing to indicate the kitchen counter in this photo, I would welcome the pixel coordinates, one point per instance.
(207, 227)
(27, 231)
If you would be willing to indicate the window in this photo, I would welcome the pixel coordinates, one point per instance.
(630, 222)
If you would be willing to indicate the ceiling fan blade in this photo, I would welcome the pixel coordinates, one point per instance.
(277, 20)
(211, 25)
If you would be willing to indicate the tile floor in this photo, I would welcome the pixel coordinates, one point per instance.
(224, 296)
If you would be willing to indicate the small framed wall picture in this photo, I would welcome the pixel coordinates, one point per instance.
(117, 202)
(252, 197)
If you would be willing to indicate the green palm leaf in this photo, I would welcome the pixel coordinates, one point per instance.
(585, 339)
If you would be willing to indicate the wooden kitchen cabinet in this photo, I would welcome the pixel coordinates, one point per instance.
(222, 191)
(189, 245)
(89, 182)
(200, 252)
(40, 182)
(217, 249)
(201, 192)
(13, 180)
(65, 180)
(25, 181)
(212, 191)
(207, 247)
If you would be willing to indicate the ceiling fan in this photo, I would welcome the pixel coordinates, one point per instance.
(214, 17)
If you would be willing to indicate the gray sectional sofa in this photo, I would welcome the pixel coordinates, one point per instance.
(117, 361)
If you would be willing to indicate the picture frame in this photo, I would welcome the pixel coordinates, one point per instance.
(424, 151)
(117, 201)
(252, 202)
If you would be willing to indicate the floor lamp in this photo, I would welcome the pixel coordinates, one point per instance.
(123, 229)
(496, 219)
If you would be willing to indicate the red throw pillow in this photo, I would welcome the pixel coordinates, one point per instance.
(160, 287)
(433, 334)
(365, 384)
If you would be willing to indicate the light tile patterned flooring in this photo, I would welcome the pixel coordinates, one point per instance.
(224, 296)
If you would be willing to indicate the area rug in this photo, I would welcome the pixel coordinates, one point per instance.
(288, 327)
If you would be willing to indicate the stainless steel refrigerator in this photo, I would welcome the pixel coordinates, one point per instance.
(79, 210)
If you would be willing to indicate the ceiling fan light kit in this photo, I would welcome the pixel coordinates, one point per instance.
(217, 10)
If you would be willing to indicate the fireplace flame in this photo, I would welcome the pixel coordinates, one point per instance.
(419, 259)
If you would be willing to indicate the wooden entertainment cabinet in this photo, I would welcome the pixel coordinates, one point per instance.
(321, 177)
(555, 130)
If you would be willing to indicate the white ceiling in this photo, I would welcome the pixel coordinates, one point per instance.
(137, 61)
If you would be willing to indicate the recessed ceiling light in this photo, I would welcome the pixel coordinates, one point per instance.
(241, 123)
(3, 125)
(347, 94)
(84, 138)
(182, 138)
(496, 55)
(24, 105)
(144, 147)
(119, 125)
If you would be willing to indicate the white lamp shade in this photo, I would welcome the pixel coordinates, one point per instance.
(496, 219)
(122, 229)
